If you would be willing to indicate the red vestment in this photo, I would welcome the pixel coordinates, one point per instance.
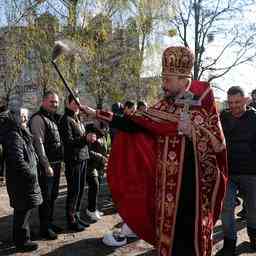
(145, 171)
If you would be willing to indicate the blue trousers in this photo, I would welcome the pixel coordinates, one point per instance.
(246, 184)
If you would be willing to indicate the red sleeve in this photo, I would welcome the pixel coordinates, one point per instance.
(131, 176)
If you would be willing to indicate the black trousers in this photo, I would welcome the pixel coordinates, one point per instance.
(93, 191)
(76, 176)
(185, 220)
(50, 190)
(21, 230)
(2, 168)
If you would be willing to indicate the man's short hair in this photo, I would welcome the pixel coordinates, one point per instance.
(129, 104)
(48, 93)
(117, 108)
(253, 92)
(71, 98)
(141, 104)
(235, 90)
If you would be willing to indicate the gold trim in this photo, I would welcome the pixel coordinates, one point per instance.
(217, 145)
(215, 191)
(196, 242)
(179, 181)
(158, 116)
(164, 167)
(204, 94)
(170, 74)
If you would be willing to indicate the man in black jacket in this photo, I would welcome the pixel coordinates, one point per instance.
(48, 146)
(75, 156)
(239, 125)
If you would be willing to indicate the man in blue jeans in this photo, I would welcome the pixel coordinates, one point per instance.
(239, 126)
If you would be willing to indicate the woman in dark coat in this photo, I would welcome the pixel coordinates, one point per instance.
(21, 177)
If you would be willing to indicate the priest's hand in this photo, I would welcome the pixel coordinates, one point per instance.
(185, 125)
(187, 131)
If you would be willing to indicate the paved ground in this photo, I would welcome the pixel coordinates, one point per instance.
(88, 242)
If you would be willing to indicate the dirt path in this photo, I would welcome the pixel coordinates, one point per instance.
(88, 242)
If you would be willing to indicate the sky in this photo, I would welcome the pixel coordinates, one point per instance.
(242, 75)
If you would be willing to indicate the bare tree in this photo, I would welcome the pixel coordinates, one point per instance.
(201, 22)
(113, 63)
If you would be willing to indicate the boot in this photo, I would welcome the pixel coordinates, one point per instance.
(48, 234)
(27, 247)
(229, 247)
(252, 235)
(80, 221)
(253, 243)
(76, 227)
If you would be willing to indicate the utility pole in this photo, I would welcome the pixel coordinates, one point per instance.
(197, 7)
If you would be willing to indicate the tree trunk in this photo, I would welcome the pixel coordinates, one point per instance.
(72, 17)
(197, 47)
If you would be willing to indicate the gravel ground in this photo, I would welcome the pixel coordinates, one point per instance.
(88, 242)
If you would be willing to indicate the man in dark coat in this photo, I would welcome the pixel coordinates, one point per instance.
(75, 156)
(44, 127)
(240, 132)
(21, 176)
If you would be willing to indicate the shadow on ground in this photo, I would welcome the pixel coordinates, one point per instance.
(7, 248)
(89, 247)
(244, 247)
(218, 233)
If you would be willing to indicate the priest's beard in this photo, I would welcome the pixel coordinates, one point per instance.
(171, 96)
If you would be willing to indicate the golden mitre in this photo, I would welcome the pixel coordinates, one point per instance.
(177, 61)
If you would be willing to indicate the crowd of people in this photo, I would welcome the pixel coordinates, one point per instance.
(34, 148)
(174, 167)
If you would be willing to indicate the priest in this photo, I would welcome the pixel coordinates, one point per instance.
(168, 169)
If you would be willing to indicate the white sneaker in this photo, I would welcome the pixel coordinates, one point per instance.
(93, 215)
(114, 238)
(126, 231)
(100, 213)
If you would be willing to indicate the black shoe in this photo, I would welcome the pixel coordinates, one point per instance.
(237, 202)
(27, 247)
(77, 227)
(229, 248)
(56, 229)
(242, 214)
(253, 243)
(48, 234)
(83, 223)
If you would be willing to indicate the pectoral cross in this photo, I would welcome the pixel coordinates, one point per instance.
(187, 102)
